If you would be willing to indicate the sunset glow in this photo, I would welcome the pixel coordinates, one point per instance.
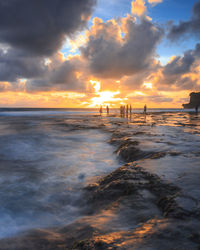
(148, 85)
(103, 58)
(99, 124)
(96, 85)
(105, 98)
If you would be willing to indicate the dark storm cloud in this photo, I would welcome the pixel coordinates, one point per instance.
(184, 27)
(61, 76)
(108, 57)
(58, 75)
(40, 26)
(15, 64)
(64, 73)
(34, 29)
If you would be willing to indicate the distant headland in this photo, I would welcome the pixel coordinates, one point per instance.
(194, 101)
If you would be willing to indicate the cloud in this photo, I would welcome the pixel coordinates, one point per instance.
(119, 53)
(136, 81)
(34, 75)
(138, 7)
(5, 86)
(106, 53)
(187, 27)
(15, 64)
(32, 32)
(180, 65)
(109, 55)
(40, 26)
(159, 99)
(181, 72)
(151, 99)
(61, 76)
(42, 99)
(155, 1)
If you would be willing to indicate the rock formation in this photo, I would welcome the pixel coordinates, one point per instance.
(194, 101)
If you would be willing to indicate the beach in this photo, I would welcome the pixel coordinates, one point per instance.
(72, 179)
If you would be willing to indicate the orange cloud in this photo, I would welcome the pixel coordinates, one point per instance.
(110, 29)
(138, 7)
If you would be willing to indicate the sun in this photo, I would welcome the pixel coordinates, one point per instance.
(105, 98)
(148, 85)
(102, 97)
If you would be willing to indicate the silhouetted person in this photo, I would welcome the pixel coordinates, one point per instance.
(120, 109)
(145, 108)
(107, 109)
(130, 109)
(127, 109)
(100, 110)
(196, 108)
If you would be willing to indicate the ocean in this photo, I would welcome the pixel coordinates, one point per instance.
(44, 162)
(48, 157)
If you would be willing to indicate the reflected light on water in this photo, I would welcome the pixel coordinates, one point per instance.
(129, 238)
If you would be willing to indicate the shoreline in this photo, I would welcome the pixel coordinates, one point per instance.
(128, 208)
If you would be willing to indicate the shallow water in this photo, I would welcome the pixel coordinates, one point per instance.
(178, 136)
(44, 163)
(46, 158)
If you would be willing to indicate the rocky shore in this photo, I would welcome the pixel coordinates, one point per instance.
(130, 208)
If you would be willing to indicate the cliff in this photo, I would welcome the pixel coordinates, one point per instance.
(194, 101)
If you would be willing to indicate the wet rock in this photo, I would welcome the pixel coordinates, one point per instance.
(195, 237)
(129, 152)
(121, 141)
(118, 137)
(131, 180)
(174, 153)
(170, 208)
(158, 155)
(116, 185)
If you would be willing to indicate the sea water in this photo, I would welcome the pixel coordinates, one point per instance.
(47, 156)
(44, 164)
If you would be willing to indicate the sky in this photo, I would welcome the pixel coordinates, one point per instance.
(87, 53)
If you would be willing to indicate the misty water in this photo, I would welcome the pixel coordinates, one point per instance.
(47, 157)
(44, 163)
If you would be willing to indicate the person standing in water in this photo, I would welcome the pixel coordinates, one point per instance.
(100, 110)
(196, 108)
(145, 109)
(127, 110)
(130, 110)
(107, 109)
(124, 110)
